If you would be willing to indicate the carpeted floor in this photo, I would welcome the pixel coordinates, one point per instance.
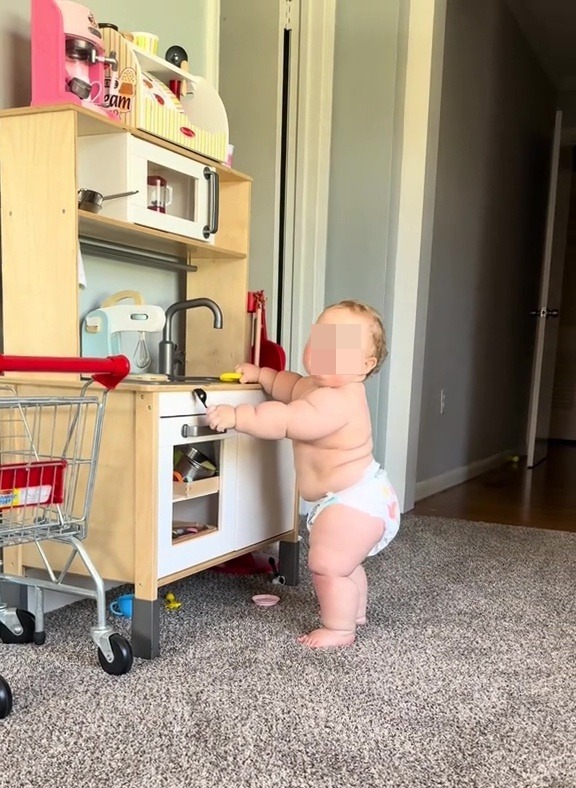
(465, 676)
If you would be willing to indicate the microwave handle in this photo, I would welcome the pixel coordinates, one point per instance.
(214, 202)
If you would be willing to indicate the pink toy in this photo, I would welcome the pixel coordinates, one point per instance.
(68, 55)
(265, 600)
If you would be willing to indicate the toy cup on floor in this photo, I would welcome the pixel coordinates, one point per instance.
(265, 600)
(122, 607)
(146, 41)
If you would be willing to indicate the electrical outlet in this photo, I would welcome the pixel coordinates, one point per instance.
(442, 401)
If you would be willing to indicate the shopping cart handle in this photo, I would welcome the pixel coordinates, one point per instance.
(109, 372)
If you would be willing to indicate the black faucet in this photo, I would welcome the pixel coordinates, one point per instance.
(167, 347)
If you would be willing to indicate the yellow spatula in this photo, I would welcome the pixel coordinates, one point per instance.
(230, 377)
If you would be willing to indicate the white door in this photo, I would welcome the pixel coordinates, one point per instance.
(547, 311)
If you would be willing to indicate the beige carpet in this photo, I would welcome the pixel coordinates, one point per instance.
(465, 676)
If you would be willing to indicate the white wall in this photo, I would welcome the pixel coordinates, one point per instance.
(497, 114)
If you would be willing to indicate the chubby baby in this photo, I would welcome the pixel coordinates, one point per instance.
(354, 510)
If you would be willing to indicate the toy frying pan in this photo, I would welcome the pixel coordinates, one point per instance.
(272, 354)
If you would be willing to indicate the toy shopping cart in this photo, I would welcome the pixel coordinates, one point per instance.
(49, 448)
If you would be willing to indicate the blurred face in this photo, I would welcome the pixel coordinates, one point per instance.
(339, 350)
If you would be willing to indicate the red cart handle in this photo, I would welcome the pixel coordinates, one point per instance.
(109, 372)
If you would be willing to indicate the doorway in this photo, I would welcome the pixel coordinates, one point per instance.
(542, 495)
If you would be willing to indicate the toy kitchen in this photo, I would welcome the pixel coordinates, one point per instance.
(118, 75)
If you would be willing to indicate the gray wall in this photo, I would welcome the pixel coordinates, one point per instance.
(14, 53)
(367, 61)
(567, 103)
(497, 115)
(174, 21)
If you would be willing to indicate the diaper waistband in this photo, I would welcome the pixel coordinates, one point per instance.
(368, 474)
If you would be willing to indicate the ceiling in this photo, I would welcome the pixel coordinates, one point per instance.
(550, 27)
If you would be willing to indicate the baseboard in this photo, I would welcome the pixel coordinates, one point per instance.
(457, 476)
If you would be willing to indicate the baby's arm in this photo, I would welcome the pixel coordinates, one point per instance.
(322, 413)
(278, 385)
(283, 384)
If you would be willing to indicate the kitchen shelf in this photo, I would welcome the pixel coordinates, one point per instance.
(160, 68)
(96, 226)
(89, 123)
(185, 491)
(205, 530)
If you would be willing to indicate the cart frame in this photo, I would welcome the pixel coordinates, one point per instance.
(49, 449)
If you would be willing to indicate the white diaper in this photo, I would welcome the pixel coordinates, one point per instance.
(373, 495)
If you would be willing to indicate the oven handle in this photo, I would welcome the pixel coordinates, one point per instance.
(214, 202)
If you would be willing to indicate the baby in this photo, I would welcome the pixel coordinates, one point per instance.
(355, 511)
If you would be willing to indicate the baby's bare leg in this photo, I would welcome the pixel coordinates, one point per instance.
(340, 540)
(359, 577)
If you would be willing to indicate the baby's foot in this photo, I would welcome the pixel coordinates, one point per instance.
(327, 638)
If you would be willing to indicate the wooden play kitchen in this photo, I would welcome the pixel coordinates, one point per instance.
(143, 528)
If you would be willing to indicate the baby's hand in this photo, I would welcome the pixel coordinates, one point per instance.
(221, 417)
(250, 373)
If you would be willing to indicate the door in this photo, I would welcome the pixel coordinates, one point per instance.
(547, 312)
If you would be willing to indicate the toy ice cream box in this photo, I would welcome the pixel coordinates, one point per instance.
(137, 90)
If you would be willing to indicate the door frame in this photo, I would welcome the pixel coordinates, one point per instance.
(409, 266)
(309, 213)
(537, 445)
(307, 187)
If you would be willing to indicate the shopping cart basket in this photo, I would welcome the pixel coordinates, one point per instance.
(49, 448)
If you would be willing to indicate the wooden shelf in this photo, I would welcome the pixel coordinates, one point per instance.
(205, 530)
(96, 226)
(89, 123)
(185, 491)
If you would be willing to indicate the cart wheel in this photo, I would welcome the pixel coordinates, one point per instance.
(5, 698)
(123, 658)
(26, 636)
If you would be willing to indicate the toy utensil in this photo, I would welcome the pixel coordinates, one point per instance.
(201, 394)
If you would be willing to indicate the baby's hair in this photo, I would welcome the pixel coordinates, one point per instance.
(376, 328)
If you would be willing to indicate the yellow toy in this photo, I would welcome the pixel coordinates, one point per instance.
(171, 603)
(230, 377)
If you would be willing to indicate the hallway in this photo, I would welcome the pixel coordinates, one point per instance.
(544, 497)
